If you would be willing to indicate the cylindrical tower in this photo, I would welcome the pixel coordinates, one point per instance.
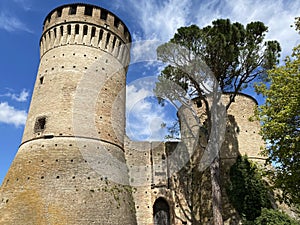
(70, 167)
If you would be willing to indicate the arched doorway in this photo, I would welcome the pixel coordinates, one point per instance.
(161, 212)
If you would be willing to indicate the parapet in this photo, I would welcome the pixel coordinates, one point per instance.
(84, 24)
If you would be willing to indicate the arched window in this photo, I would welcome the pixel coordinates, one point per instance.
(161, 212)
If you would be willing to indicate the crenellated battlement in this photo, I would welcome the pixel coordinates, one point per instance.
(88, 25)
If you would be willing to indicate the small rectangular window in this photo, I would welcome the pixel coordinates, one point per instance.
(88, 11)
(103, 14)
(73, 10)
(40, 124)
(41, 80)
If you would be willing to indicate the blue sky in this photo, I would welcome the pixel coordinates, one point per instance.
(150, 22)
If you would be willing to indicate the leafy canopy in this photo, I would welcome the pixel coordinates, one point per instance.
(280, 116)
(227, 56)
(236, 55)
(273, 217)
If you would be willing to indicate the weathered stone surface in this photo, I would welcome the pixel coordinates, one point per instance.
(155, 169)
(75, 166)
(70, 167)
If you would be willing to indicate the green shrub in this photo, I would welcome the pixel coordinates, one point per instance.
(274, 217)
(247, 192)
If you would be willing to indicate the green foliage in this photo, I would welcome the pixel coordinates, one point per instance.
(226, 55)
(280, 116)
(235, 54)
(247, 191)
(274, 217)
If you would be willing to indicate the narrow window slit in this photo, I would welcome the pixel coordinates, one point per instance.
(107, 40)
(77, 29)
(85, 30)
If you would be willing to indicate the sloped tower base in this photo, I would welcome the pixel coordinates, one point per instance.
(51, 183)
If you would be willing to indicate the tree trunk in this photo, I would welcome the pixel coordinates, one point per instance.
(216, 192)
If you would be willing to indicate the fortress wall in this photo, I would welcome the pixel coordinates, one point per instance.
(74, 166)
(241, 137)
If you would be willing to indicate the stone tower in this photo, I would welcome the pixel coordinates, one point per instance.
(70, 167)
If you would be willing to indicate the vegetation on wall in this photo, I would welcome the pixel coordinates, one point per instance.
(273, 217)
(247, 191)
(251, 197)
(234, 55)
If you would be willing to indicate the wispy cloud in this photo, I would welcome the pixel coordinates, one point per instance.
(25, 4)
(159, 20)
(144, 117)
(22, 97)
(12, 23)
(278, 15)
(10, 115)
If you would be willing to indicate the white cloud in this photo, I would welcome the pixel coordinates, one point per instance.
(11, 23)
(22, 97)
(159, 20)
(278, 15)
(10, 115)
(143, 51)
(144, 116)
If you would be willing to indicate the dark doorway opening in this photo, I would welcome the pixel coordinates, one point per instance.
(161, 212)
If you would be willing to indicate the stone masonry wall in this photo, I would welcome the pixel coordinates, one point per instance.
(169, 166)
(70, 167)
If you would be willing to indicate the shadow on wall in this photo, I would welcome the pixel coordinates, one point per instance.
(191, 186)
